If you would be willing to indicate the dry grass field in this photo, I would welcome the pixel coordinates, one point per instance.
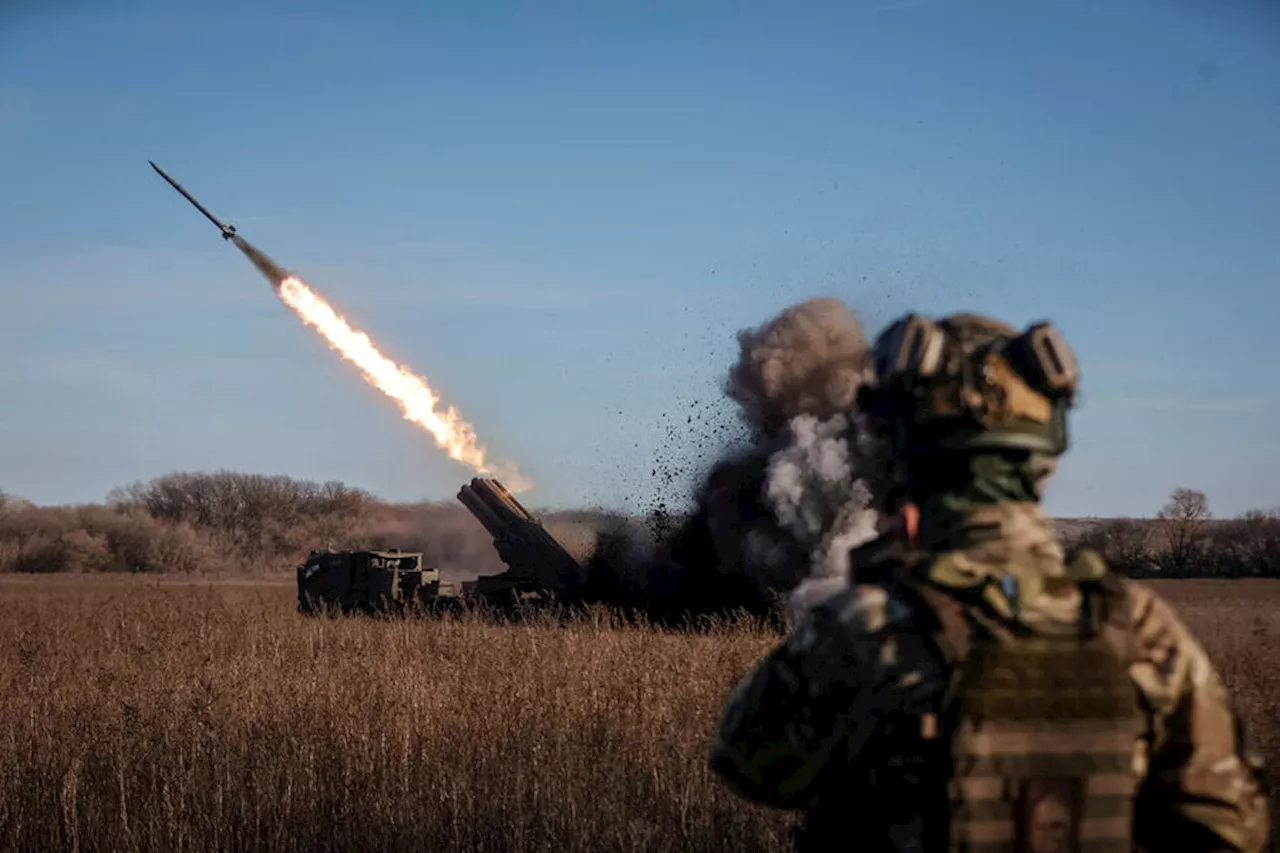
(154, 714)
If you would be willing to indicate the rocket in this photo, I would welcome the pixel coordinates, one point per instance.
(228, 231)
(269, 268)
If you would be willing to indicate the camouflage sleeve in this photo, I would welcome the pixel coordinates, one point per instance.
(816, 696)
(1203, 776)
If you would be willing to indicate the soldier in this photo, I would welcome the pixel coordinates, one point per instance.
(973, 689)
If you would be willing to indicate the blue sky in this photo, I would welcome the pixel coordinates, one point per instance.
(561, 213)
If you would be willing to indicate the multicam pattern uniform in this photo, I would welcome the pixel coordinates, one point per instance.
(834, 721)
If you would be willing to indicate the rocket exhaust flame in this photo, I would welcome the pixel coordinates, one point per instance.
(411, 392)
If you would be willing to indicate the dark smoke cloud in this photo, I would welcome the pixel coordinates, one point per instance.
(778, 517)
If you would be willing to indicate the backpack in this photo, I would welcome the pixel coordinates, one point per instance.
(1042, 719)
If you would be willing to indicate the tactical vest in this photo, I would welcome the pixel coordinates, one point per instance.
(1042, 722)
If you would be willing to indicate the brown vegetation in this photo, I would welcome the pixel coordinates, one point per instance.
(231, 523)
(1184, 540)
(153, 714)
(247, 524)
(145, 716)
(148, 713)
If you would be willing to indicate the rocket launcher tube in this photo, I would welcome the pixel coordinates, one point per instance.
(500, 493)
(527, 548)
(477, 506)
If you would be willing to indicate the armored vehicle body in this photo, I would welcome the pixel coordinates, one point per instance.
(365, 581)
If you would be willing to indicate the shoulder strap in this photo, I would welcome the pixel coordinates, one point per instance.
(946, 615)
(953, 630)
(1105, 607)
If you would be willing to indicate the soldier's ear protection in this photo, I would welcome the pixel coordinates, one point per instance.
(1043, 358)
(912, 349)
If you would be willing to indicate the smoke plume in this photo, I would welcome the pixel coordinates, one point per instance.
(817, 487)
(822, 487)
(809, 360)
(777, 518)
(796, 381)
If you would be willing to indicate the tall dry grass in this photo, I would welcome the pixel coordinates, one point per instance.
(161, 715)
(174, 718)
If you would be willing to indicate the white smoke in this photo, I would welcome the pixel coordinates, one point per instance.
(820, 486)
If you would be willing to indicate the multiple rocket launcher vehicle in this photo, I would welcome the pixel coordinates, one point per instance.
(539, 566)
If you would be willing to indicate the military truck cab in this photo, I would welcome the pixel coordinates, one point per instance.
(365, 581)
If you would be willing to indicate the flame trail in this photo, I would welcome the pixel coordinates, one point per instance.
(415, 397)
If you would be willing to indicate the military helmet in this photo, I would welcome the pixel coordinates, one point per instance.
(968, 382)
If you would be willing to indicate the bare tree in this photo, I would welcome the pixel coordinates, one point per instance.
(1125, 544)
(1182, 521)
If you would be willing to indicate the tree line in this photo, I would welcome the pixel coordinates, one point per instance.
(1185, 540)
(228, 522)
(231, 523)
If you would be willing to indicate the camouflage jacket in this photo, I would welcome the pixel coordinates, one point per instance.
(829, 722)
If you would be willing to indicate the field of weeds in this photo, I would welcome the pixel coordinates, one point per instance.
(146, 715)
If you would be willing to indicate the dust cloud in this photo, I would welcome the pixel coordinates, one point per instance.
(808, 360)
(778, 516)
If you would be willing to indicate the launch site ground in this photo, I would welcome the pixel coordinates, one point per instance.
(202, 715)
